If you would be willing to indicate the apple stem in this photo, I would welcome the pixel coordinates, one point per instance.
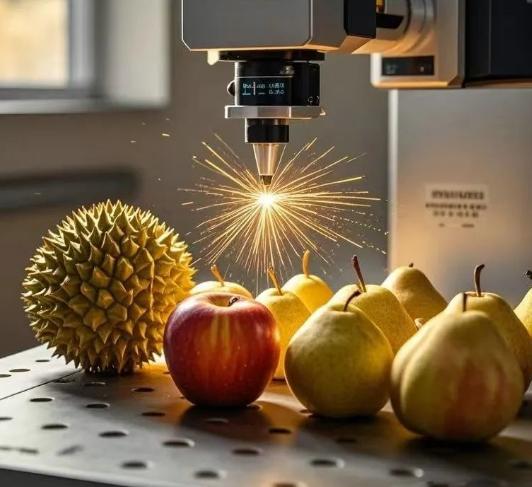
(411, 265)
(305, 262)
(217, 274)
(233, 300)
(529, 274)
(361, 283)
(353, 296)
(273, 276)
(464, 302)
(478, 271)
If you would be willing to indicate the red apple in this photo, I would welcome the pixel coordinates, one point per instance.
(221, 349)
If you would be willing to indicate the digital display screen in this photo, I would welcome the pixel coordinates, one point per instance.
(264, 90)
(408, 66)
(264, 87)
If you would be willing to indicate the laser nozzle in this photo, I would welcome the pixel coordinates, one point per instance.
(268, 157)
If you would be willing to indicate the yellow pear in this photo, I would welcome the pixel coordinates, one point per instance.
(312, 290)
(456, 379)
(510, 327)
(289, 313)
(338, 363)
(524, 310)
(220, 285)
(415, 292)
(381, 306)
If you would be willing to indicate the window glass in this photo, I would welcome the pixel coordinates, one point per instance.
(34, 43)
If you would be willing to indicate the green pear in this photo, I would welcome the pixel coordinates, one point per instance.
(500, 312)
(381, 306)
(220, 285)
(524, 310)
(338, 363)
(289, 313)
(415, 292)
(457, 379)
(312, 290)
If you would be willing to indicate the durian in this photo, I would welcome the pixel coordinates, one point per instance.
(101, 287)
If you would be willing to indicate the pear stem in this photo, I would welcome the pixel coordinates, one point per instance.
(273, 277)
(478, 271)
(411, 265)
(217, 274)
(353, 296)
(305, 262)
(464, 302)
(361, 283)
(529, 274)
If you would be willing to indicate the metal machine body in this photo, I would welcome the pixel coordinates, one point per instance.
(413, 43)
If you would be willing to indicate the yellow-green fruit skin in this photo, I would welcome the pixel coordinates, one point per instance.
(101, 287)
(383, 308)
(289, 313)
(510, 327)
(218, 287)
(524, 311)
(338, 364)
(456, 379)
(312, 290)
(416, 293)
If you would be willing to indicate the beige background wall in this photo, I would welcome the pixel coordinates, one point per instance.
(356, 123)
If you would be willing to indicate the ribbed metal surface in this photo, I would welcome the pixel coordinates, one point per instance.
(139, 431)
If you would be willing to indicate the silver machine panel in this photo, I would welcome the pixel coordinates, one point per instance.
(460, 175)
(262, 24)
(60, 427)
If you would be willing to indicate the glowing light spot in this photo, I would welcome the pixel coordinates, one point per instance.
(267, 200)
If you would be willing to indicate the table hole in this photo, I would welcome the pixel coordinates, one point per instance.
(54, 426)
(95, 383)
(217, 420)
(143, 389)
(406, 472)
(521, 464)
(98, 405)
(153, 414)
(70, 450)
(113, 434)
(346, 440)
(41, 399)
(19, 370)
(29, 451)
(208, 474)
(65, 380)
(179, 443)
(4, 376)
(135, 465)
(42, 360)
(5, 418)
(279, 431)
(247, 452)
(326, 462)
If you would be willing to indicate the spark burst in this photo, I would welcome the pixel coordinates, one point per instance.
(305, 207)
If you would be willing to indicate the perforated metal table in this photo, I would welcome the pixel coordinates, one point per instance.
(61, 427)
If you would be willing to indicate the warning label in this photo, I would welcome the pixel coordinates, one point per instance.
(456, 205)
